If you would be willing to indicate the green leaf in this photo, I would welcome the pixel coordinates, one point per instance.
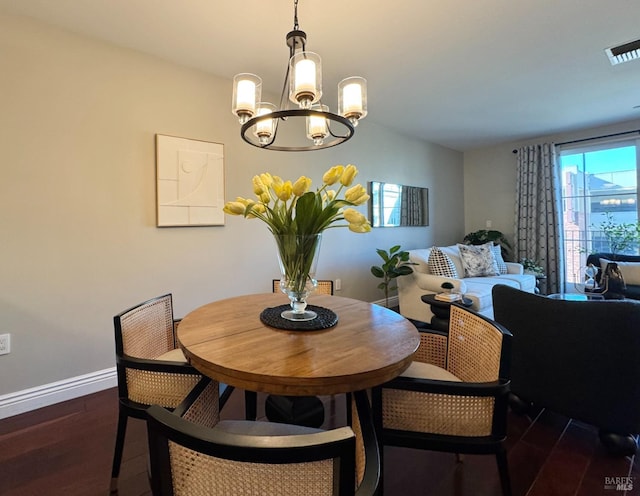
(404, 270)
(377, 271)
(306, 213)
(383, 254)
(394, 249)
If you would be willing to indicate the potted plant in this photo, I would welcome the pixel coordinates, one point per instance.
(396, 264)
(532, 267)
(483, 236)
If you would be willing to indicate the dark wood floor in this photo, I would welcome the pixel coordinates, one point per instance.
(66, 449)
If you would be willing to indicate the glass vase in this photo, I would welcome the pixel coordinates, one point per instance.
(298, 257)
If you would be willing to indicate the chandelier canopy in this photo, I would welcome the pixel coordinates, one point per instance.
(310, 125)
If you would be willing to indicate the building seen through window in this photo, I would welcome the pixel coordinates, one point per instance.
(599, 202)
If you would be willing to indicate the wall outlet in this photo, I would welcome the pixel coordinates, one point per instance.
(489, 224)
(338, 284)
(5, 344)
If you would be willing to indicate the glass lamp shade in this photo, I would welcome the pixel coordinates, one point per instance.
(317, 127)
(265, 128)
(247, 91)
(352, 98)
(305, 81)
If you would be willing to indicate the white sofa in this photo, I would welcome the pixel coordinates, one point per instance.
(478, 289)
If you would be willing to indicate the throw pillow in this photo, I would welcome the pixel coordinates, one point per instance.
(630, 270)
(478, 260)
(496, 250)
(440, 264)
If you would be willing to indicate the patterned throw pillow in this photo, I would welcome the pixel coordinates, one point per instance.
(497, 255)
(440, 264)
(478, 260)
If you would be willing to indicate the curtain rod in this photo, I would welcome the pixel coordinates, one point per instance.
(594, 138)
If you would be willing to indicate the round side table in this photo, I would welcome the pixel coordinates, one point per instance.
(441, 311)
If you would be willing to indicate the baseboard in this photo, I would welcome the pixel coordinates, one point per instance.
(393, 302)
(48, 394)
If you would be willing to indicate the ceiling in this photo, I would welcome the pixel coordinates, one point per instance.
(463, 74)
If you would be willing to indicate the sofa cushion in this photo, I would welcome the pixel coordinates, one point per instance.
(479, 294)
(630, 270)
(496, 250)
(440, 264)
(524, 282)
(478, 260)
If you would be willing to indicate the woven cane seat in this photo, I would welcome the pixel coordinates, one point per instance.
(176, 355)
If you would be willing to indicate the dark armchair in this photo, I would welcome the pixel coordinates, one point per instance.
(632, 289)
(578, 358)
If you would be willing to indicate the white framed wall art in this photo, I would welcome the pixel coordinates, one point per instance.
(190, 182)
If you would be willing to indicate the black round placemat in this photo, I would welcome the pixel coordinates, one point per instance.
(326, 318)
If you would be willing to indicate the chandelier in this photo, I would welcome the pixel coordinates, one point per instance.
(310, 125)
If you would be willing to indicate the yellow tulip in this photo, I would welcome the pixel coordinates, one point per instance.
(352, 216)
(358, 223)
(276, 181)
(258, 186)
(350, 172)
(234, 208)
(256, 208)
(360, 228)
(356, 195)
(283, 190)
(301, 186)
(266, 179)
(333, 175)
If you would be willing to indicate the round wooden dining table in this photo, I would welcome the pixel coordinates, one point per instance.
(227, 341)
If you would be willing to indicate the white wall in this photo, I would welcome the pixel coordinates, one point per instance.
(79, 242)
(490, 178)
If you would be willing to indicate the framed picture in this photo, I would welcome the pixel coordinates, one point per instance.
(190, 182)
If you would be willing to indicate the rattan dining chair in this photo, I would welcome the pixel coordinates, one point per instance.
(190, 453)
(150, 368)
(454, 396)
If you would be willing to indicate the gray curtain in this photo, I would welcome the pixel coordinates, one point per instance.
(538, 224)
(412, 208)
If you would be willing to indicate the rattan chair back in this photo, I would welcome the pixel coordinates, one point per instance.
(325, 286)
(146, 330)
(188, 457)
(474, 347)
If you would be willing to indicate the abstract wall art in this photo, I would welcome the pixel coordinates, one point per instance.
(190, 182)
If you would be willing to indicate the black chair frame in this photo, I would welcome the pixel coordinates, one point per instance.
(164, 426)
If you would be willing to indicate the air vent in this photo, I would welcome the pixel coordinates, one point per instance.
(624, 53)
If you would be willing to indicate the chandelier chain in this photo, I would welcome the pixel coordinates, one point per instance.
(295, 15)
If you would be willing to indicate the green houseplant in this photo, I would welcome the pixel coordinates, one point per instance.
(396, 264)
(531, 266)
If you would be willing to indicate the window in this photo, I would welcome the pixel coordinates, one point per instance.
(599, 200)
